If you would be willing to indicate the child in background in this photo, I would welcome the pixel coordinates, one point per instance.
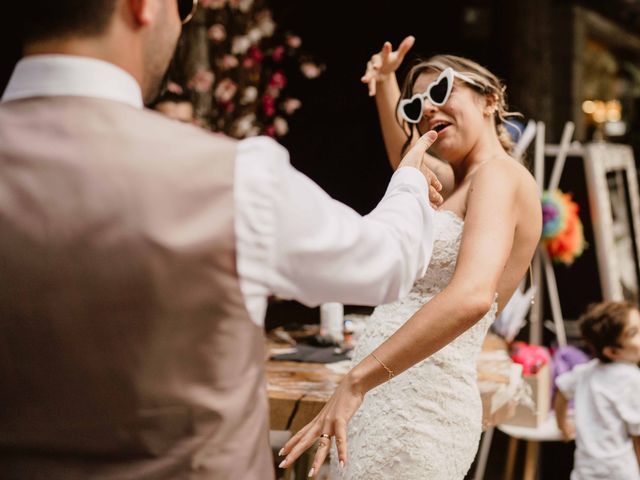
(606, 394)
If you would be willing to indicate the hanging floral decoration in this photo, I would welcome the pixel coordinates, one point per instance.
(235, 65)
(562, 232)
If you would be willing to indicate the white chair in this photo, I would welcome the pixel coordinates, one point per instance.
(548, 431)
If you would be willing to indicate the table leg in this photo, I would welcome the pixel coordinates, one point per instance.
(511, 458)
(485, 446)
(531, 461)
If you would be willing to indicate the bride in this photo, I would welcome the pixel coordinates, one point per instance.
(426, 423)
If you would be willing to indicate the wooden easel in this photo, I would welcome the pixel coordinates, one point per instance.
(541, 265)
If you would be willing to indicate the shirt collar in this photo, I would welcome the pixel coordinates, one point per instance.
(68, 75)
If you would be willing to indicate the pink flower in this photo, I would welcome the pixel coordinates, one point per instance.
(255, 54)
(202, 81)
(273, 92)
(249, 95)
(213, 4)
(310, 70)
(225, 90)
(240, 45)
(217, 33)
(278, 53)
(278, 80)
(290, 105)
(255, 34)
(229, 107)
(245, 5)
(243, 125)
(228, 61)
(265, 22)
(280, 126)
(270, 130)
(248, 63)
(174, 88)
(294, 41)
(268, 105)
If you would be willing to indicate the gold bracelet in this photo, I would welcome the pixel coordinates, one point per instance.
(389, 371)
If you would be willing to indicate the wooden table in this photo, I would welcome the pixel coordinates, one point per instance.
(297, 392)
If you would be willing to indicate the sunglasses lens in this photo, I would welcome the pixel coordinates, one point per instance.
(413, 110)
(186, 9)
(439, 91)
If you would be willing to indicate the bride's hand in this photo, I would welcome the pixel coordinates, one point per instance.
(385, 62)
(331, 421)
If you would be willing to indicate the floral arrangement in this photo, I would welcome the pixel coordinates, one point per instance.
(562, 232)
(235, 66)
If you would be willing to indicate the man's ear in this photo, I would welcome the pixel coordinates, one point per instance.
(142, 11)
(611, 353)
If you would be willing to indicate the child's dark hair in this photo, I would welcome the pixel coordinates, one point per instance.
(602, 325)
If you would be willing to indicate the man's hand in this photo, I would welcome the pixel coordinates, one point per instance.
(385, 62)
(416, 157)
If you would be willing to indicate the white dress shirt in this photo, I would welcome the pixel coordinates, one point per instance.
(293, 240)
(607, 414)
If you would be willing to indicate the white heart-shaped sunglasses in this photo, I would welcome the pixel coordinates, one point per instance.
(438, 92)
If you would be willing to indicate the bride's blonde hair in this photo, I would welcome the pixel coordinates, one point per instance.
(487, 84)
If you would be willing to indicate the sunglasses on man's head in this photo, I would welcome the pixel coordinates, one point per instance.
(186, 9)
(438, 92)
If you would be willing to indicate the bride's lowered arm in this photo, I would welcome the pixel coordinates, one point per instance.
(485, 248)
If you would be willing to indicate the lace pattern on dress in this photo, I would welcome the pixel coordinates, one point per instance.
(425, 423)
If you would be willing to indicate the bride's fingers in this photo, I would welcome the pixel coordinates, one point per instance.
(340, 430)
(386, 50)
(301, 446)
(295, 439)
(369, 73)
(321, 454)
(405, 46)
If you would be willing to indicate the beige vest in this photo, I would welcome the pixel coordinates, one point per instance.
(126, 351)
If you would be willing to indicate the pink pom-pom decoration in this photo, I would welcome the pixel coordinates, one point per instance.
(562, 232)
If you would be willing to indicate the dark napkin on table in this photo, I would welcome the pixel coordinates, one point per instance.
(311, 354)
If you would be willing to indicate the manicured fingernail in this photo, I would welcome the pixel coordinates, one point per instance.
(283, 463)
(281, 452)
(311, 472)
(341, 463)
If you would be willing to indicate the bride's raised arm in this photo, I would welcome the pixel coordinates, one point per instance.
(380, 76)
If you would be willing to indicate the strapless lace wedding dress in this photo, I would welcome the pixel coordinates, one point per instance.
(424, 424)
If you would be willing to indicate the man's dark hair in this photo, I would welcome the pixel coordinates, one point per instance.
(602, 325)
(46, 19)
